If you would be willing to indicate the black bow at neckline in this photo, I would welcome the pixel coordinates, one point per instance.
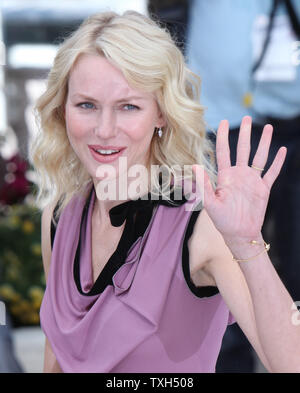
(119, 213)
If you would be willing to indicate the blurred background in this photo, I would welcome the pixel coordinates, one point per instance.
(30, 32)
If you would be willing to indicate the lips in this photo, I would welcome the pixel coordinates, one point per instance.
(105, 158)
(100, 147)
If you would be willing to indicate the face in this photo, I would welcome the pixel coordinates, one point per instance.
(103, 112)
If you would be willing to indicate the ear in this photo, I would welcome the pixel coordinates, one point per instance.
(161, 119)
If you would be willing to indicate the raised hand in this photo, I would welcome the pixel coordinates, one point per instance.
(238, 204)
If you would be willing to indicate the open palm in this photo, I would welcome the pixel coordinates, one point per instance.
(238, 204)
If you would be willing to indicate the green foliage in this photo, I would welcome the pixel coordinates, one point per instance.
(22, 281)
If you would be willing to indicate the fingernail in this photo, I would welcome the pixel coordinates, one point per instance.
(247, 118)
(224, 122)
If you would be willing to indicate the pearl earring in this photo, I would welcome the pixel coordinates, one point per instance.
(159, 132)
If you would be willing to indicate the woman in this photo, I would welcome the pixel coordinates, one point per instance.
(149, 284)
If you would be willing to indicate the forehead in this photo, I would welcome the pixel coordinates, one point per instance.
(95, 75)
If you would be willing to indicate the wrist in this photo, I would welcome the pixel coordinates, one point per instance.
(246, 247)
(236, 241)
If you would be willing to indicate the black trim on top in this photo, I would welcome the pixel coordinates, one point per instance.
(200, 292)
(53, 227)
(130, 234)
(138, 214)
(119, 213)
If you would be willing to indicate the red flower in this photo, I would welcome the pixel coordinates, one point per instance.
(16, 186)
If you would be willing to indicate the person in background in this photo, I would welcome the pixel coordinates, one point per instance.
(247, 53)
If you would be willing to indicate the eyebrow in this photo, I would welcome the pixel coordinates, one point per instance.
(86, 97)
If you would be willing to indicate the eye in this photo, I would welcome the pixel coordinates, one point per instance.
(130, 107)
(86, 105)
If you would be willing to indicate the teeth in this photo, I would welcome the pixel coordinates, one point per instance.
(107, 151)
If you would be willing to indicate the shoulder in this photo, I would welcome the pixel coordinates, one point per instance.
(46, 235)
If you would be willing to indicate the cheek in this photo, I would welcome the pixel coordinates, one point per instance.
(141, 130)
(76, 128)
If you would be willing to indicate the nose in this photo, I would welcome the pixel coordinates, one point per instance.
(106, 124)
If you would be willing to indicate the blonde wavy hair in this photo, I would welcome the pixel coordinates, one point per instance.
(150, 61)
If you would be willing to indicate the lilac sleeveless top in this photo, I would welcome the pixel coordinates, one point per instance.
(149, 317)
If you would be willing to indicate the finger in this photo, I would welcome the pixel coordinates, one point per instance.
(206, 190)
(222, 146)
(243, 145)
(261, 155)
(275, 168)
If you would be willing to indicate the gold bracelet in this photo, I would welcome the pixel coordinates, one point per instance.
(266, 249)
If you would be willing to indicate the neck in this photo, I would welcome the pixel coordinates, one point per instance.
(111, 193)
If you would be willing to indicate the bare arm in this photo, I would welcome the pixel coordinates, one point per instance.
(227, 276)
(279, 336)
(50, 363)
(237, 208)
